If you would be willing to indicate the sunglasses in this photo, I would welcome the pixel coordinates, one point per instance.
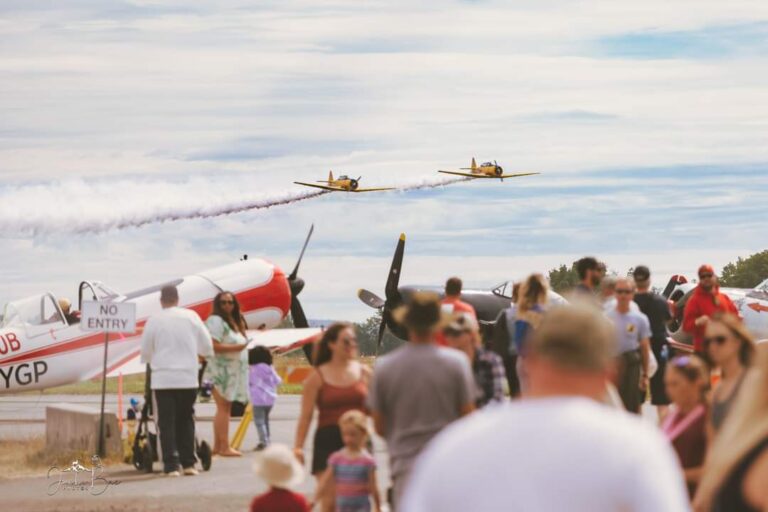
(222, 302)
(348, 342)
(623, 291)
(705, 276)
(720, 340)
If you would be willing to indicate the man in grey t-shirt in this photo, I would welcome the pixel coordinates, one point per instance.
(633, 333)
(418, 389)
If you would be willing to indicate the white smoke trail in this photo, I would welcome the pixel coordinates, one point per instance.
(432, 183)
(77, 206)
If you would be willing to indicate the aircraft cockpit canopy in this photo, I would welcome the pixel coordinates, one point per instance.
(488, 164)
(504, 290)
(96, 290)
(33, 311)
(760, 291)
(343, 177)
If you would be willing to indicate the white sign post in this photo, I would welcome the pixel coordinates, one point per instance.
(107, 317)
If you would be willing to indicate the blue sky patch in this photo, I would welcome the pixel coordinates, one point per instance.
(706, 43)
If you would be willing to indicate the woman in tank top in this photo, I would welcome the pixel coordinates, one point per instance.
(686, 380)
(338, 384)
(736, 471)
(730, 347)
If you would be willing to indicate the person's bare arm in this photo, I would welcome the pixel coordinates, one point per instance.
(323, 485)
(374, 489)
(222, 348)
(378, 423)
(693, 475)
(308, 402)
(645, 350)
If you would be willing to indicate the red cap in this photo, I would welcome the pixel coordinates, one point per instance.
(706, 269)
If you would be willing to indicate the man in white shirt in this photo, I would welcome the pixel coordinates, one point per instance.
(558, 449)
(172, 341)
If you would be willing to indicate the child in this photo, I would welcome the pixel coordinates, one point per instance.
(263, 382)
(351, 470)
(280, 469)
(685, 424)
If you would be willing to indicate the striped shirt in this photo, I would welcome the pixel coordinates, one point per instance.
(352, 476)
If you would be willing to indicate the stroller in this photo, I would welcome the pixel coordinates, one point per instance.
(145, 452)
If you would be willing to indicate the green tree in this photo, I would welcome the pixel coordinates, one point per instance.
(367, 334)
(563, 278)
(746, 272)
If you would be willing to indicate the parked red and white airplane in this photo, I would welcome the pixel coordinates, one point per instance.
(751, 303)
(39, 348)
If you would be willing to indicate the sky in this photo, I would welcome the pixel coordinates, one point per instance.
(648, 121)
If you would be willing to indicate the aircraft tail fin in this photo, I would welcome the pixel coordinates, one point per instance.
(674, 281)
(330, 176)
(474, 164)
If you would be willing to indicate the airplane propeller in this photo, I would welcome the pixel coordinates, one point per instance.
(297, 285)
(393, 297)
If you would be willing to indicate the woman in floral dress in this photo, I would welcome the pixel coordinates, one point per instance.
(228, 368)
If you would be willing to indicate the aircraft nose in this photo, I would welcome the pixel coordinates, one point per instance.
(296, 285)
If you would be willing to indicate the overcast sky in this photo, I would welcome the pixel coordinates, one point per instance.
(648, 120)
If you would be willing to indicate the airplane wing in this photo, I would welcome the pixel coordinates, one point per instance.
(278, 341)
(282, 341)
(131, 365)
(371, 189)
(516, 175)
(334, 189)
(468, 175)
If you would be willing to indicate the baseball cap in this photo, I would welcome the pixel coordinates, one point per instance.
(461, 323)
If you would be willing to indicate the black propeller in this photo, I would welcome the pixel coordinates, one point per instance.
(391, 292)
(297, 284)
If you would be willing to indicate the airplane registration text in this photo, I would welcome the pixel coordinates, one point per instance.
(23, 374)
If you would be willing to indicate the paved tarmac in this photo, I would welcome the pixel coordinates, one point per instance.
(229, 485)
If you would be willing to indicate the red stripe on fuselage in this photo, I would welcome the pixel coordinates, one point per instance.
(270, 295)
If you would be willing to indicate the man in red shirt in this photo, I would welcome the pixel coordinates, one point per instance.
(705, 301)
(452, 303)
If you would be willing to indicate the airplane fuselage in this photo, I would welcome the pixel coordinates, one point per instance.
(752, 305)
(38, 355)
(488, 170)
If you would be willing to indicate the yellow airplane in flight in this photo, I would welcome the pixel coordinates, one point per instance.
(487, 170)
(341, 184)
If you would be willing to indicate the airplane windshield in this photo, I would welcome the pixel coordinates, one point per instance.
(760, 291)
(504, 289)
(36, 310)
(103, 291)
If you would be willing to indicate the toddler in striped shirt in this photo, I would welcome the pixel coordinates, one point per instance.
(352, 470)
